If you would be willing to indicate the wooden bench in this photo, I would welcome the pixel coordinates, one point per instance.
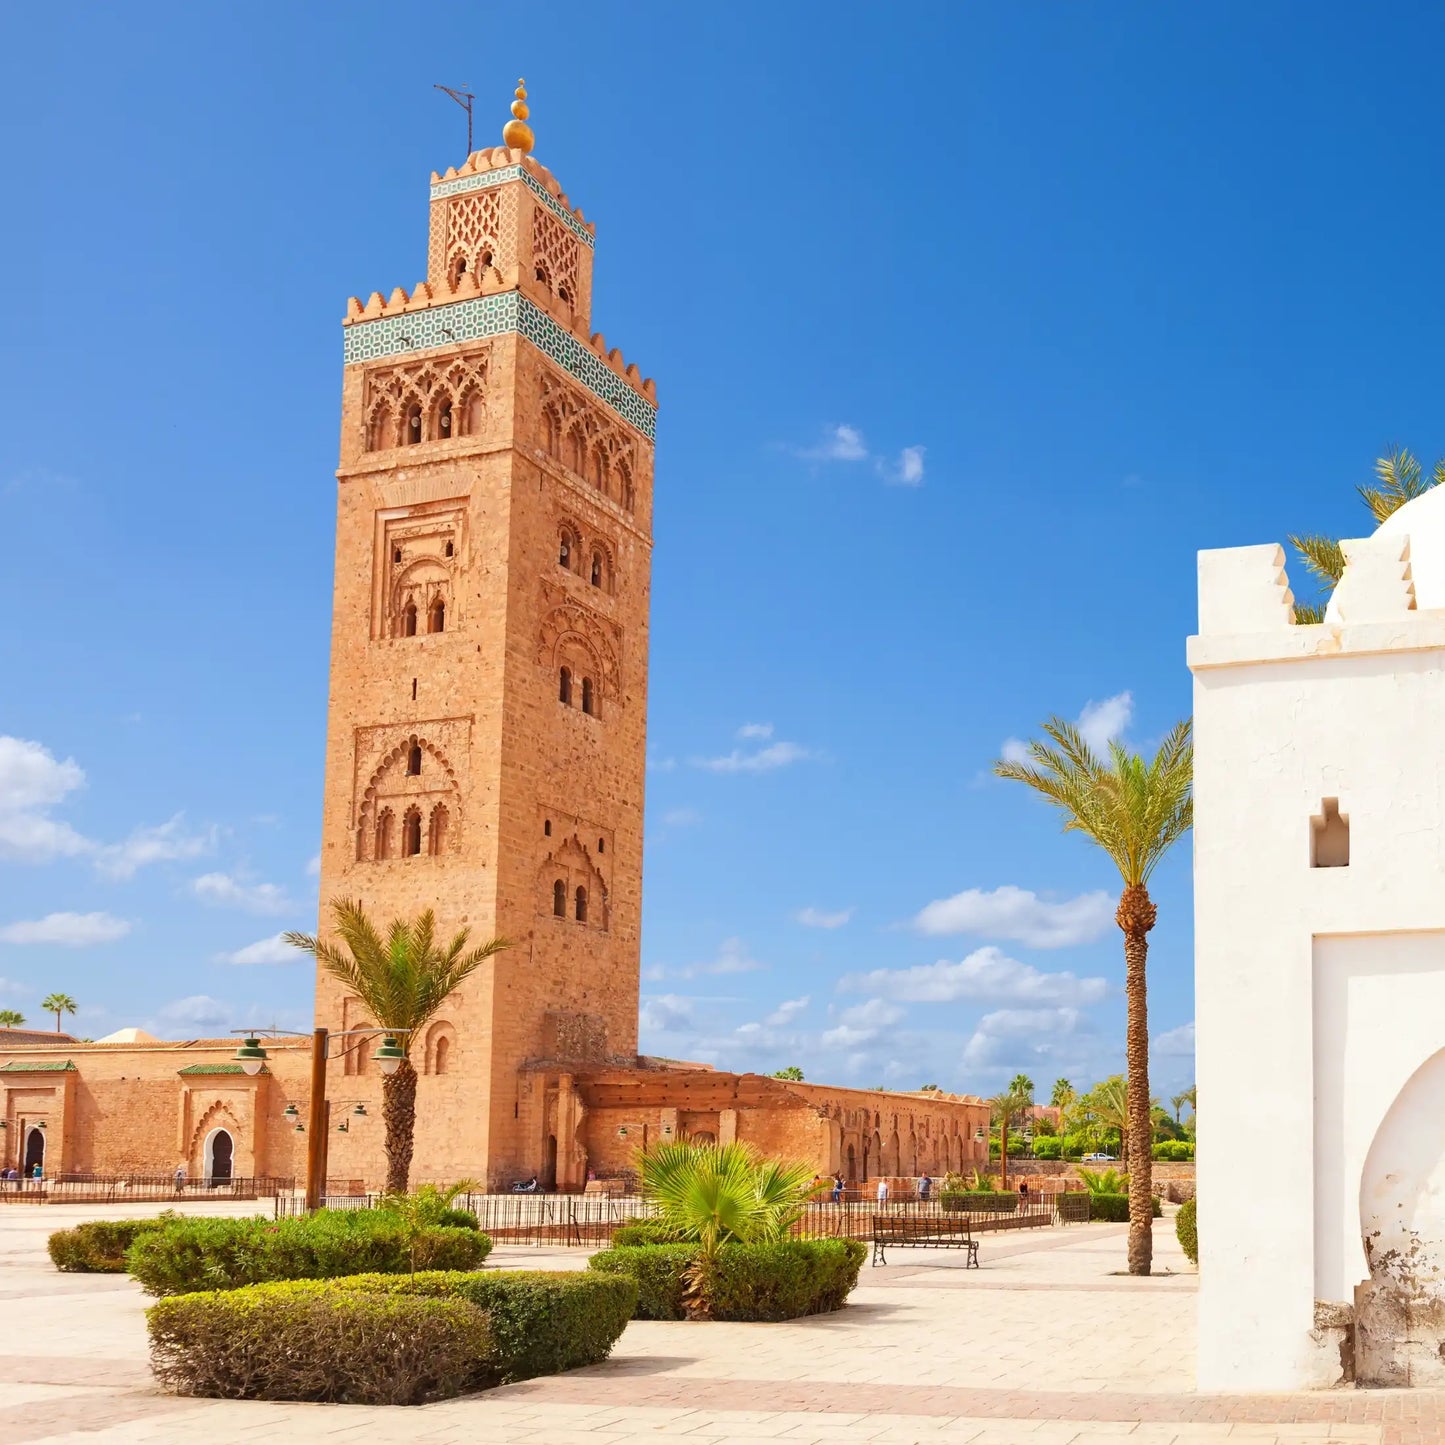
(923, 1232)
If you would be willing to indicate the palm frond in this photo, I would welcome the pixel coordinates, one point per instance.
(1400, 482)
(1323, 557)
(1306, 613)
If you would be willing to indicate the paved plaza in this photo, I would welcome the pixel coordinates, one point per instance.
(1046, 1343)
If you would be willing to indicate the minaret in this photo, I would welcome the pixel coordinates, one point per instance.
(486, 732)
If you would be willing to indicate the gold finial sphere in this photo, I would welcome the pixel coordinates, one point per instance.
(517, 134)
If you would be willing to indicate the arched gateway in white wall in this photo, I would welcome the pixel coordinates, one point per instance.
(1320, 969)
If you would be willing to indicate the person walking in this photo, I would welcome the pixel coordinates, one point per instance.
(883, 1191)
(838, 1188)
(925, 1188)
(180, 1178)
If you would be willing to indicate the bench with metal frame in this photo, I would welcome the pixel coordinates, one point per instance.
(912, 1231)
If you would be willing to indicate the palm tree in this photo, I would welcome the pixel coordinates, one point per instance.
(792, 1073)
(11, 1018)
(1108, 1106)
(1399, 482)
(402, 982)
(1063, 1094)
(1004, 1108)
(1135, 810)
(718, 1193)
(1178, 1101)
(1022, 1085)
(57, 1004)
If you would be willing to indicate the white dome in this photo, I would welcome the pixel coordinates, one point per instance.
(1423, 522)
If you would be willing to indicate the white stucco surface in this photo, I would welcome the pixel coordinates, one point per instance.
(1320, 990)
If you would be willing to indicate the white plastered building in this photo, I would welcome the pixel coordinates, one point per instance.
(1319, 856)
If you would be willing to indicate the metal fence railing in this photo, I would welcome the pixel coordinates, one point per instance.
(138, 1188)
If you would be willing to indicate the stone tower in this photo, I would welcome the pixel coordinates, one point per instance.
(487, 715)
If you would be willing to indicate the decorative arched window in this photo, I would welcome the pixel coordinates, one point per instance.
(411, 833)
(411, 429)
(413, 760)
(597, 569)
(408, 620)
(444, 419)
(564, 691)
(436, 618)
(566, 549)
(540, 272)
(458, 270)
(587, 703)
(380, 428)
(471, 414)
(572, 453)
(559, 898)
(552, 428)
(437, 830)
(439, 1061)
(386, 834)
(563, 294)
(581, 901)
(596, 468)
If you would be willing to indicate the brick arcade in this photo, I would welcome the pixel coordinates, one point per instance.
(485, 757)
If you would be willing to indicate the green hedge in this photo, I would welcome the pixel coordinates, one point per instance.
(541, 1322)
(646, 1232)
(458, 1219)
(777, 1281)
(199, 1253)
(307, 1340)
(100, 1246)
(1048, 1146)
(1114, 1208)
(1177, 1151)
(1186, 1228)
(980, 1201)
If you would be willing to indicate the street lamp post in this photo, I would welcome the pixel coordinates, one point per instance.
(252, 1058)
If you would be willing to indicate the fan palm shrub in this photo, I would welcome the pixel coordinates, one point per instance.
(714, 1194)
(1135, 810)
(402, 981)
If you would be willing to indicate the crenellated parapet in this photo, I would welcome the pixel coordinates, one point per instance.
(1246, 608)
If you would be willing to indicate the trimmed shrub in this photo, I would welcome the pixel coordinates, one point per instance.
(647, 1231)
(307, 1340)
(458, 1219)
(1048, 1146)
(780, 1280)
(976, 1201)
(100, 1246)
(541, 1322)
(1176, 1151)
(198, 1253)
(1186, 1228)
(1114, 1208)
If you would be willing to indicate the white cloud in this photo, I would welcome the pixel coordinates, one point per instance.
(732, 957)
(32, 782)
(1010, 912)
(69, 930)
(660, 765)
(681, 817)
(221, 890)
(821, 918)
(199, 1011)
(861, 1024)
(165, 842)
(1099, 723)
(755, 730)
(313, 866)
(907, 471)
(1175, 1042)
(845, 1036)
(265, 950)
(987, 975)
(1015, 1037)
(840, 443)
(786, 1012)
(1102, 722)
(761, 760)
(665, 1013)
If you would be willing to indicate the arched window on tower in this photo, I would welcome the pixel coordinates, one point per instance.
(437, 830)
(559, 898)
(565, 549)
(581, 901)
(540, 272)
(411, 430)
(408, 620)
(386, 834)
(589, 705)
(439, 1060)
(597, 569)
(572, 451)
(413, 760)
(436, 618)
(411, 833)
(564, 691)
(444, 420)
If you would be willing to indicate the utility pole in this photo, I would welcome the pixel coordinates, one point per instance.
(463, 98)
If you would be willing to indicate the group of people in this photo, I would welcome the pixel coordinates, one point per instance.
(35, 1172)
(840, 1186)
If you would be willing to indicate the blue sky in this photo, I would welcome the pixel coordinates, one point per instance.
(970, 325)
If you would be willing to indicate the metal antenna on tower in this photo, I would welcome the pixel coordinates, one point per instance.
(463, 98)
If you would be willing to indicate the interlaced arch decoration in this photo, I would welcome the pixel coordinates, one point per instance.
(555, 250)
(393, 794)
(568, 630)
(418, 585)
(571, 864)
(474, 235)
(450, 390)
(218, 1116)
(575, 433)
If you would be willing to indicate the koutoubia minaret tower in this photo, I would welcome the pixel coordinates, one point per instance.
(486, 738)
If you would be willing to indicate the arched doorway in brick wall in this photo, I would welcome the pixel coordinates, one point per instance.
(218, 1157)
(34, 1149)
